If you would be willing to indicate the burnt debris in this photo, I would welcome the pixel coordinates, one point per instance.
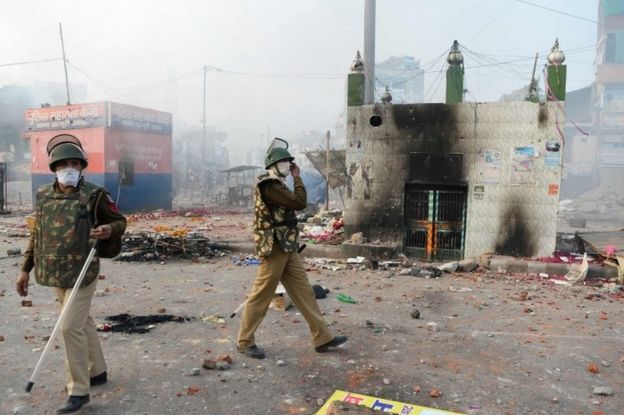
(153, 246)
(126, 323)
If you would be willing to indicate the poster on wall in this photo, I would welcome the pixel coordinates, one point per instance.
(522, 165)
(488, 166)
(552, 159)
(479, 192)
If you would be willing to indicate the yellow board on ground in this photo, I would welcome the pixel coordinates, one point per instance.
(383, 405)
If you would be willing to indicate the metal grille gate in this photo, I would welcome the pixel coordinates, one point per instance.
(434, 222)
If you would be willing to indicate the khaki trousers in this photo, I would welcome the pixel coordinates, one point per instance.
(287, 268)
(83, 354)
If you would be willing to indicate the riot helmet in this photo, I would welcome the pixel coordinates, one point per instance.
(278, 151)
(63, 147)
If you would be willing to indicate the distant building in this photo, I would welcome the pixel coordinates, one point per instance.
(404, 78)
(609, 94)
(200, 162)
(128, 148)
(595, 114)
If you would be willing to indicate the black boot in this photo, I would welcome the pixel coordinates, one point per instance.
(252, 351)
(335, 342)
(73, 404)
(100, 379)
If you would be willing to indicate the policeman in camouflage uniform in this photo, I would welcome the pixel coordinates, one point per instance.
(70, 214)
(277, 238)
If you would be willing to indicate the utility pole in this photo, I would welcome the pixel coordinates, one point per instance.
(268, 136)
(369, 51)
(203, 156)
(327, 168)
(64, 63)
(533, 95)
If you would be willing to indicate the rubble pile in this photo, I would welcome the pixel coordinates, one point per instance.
(567, 258)
(126, 323)
(186, 212)
(151, 246)
(245, 260)
(13, 230)
(323, 228)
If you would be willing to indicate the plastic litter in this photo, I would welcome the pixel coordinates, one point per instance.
(346, 299)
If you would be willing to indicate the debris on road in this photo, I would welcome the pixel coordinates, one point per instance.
(326, 228)
(221, 365)
(349, 403)
(424, 272)
(415, 314)
(13, 251)
(325, 263)
(346, 299)
(320, 291)
(209, 364)
(578, 272)
(26, 303)
(245, 260)
(213, 319)
(602, 390)
(449, 267)
(127, 323)
(186, 212)
(593, 368)
(152, 246)
(467, 265)
(356, 260)
(190, 390)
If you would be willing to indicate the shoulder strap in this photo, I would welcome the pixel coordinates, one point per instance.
(90, 195)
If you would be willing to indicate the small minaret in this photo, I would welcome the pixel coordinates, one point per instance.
(556, 72)
(355, 82)
(455, 75)
(386, 97)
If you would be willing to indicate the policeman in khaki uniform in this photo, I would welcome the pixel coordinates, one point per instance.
(276, 235)
(70, 214)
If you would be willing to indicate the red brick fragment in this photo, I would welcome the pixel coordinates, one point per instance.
(435, 393)
(225, 358)
(593, 368)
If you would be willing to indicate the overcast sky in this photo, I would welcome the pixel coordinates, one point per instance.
(290, 56)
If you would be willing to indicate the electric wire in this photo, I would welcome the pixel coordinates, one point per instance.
(29, 62)
(558, 11)
(504, 9)
(436, 82)
(154, 86)
(106, 88)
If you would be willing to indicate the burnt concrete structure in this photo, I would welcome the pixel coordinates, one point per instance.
(447, 181)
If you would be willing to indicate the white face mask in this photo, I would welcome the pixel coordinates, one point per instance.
(283, 168)
(68, 176)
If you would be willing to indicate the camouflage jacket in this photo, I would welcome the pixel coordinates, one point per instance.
(273, 222)
(60, 240)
